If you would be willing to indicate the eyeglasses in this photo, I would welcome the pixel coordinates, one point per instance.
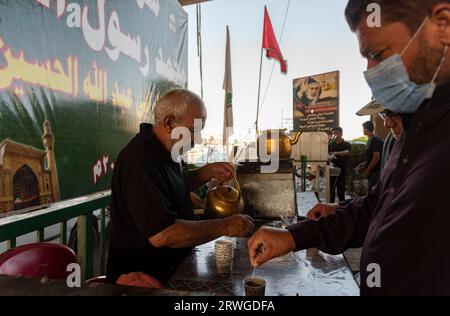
(387, 114)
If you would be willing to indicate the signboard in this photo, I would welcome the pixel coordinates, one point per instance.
(316, 102)
(76, 79)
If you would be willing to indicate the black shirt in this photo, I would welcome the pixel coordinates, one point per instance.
(374, 145)
(149, 192)
(340, 161)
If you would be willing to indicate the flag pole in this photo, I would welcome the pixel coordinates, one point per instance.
(259, 93)
(225, 126)
(270, 43)
(227, 85)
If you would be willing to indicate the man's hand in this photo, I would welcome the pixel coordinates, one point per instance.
(269, 243)
(360, 167)
(303, 84)
(238, 226)
(321, 210)
(332, 157)
(220, 171)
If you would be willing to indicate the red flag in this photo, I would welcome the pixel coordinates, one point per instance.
(270, 42)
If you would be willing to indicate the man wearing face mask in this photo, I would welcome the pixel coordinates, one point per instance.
(403, 223)
(391, 121)
(152, 219)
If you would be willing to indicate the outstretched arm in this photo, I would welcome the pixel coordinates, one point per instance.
(345, 228)
(185, 234)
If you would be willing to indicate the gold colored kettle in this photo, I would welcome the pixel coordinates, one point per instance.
(223, 201)
(283, 140)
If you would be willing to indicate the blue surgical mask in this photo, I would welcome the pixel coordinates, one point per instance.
(392, 87)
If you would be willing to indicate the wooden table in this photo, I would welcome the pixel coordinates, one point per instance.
(305, 273)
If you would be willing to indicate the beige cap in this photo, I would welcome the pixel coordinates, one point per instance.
(371, 108)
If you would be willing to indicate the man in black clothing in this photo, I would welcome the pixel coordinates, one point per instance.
(340, 152)
(391, 121)
(152, 227)
(402, 224)
(372, 165)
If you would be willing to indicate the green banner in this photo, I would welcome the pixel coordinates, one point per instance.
(76, 79)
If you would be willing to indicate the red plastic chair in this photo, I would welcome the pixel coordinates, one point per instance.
(136, 279)
(38, 261)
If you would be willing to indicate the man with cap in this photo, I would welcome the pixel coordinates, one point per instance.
(391, 120)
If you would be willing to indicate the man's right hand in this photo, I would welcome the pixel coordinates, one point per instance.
(239, 226)
(268, 243)
(321, 210)
(360, 167)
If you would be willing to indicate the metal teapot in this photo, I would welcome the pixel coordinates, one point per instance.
(223, 201)
(283, 141)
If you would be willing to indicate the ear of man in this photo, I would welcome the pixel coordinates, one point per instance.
(441, 15)
(169, 122)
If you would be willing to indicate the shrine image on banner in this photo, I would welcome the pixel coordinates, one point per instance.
(316, 102)
(76, 79)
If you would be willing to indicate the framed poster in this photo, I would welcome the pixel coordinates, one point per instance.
(316, 102)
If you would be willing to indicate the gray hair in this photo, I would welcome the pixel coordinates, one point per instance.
(175, 102)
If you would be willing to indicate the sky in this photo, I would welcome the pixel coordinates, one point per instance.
(316, 39)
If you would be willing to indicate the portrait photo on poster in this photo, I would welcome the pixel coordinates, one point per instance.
(316, 102)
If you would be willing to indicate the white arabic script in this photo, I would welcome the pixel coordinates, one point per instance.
(151, 4)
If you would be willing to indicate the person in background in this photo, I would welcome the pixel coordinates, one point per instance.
(372, 165)
(393, 122)
(339, 151)
(388, 144)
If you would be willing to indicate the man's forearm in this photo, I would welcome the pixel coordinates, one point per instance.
(373, 163)
(185, 234)
(344, 153)
(197, 178)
